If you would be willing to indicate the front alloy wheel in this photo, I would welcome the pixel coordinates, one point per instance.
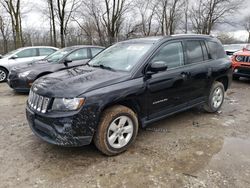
(117, 130)
(120, 132)
(3, 75)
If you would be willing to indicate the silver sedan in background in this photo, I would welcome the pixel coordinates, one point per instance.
(22, 56)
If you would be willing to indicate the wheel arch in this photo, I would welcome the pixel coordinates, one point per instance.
(2, 67)
(129, 103)
(6, 71)
(224, 80)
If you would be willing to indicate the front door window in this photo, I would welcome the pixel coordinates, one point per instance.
(171, 54)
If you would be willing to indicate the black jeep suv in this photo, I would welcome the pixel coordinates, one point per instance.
(132, 83)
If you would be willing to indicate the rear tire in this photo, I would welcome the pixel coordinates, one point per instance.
(3, 74)
(117, 130)
(215, 98)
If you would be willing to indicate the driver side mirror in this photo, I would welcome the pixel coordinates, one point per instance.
(14, 57)
(66, 61)
(158, 66)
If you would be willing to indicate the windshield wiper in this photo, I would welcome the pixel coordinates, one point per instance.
(104, 67)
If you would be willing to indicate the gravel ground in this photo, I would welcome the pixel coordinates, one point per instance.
(190, 149)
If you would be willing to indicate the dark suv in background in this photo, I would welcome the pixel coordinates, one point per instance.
(132, 83)
(21, 78)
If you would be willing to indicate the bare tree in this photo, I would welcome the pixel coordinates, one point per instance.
(113, 18)
(205, 14)
(64, 11)
(147, 11)
(89, 19)
(52, 22)
(14, 10)
(186, 13)
(247, 26)
(4, 30)
(169, 14)
(88, 28)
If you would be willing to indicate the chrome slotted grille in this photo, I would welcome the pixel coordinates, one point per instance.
(38, 102)
(246, 59)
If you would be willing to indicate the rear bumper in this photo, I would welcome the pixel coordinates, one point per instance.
(63, 131)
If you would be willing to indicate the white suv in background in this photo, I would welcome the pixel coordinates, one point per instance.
(22, 56)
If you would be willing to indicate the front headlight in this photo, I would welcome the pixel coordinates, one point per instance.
(24, 74)
(64, 104)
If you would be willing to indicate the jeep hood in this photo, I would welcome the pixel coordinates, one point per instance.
(76, 81)
(244, 53)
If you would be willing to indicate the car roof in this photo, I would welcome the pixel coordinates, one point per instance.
(145, 39)
(191, 36)
(156, 39)
(30, 47)
(85, 46)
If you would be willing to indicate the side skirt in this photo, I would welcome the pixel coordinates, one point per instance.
(145, 122)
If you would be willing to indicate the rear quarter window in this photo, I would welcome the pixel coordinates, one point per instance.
(216, 50)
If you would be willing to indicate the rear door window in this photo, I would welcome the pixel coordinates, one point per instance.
(46, 51)
(194, 52)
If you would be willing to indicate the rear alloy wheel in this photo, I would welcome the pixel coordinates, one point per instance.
(117, 130)
(216, 98)
(3, 75)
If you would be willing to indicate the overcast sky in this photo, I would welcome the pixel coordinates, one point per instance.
(34, 18)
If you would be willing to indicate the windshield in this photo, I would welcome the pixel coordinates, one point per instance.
(58, 55)
(10, 53)
(121, 56)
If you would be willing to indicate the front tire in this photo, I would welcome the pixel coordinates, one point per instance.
(3, 75)
(215, 98)
(117, 130)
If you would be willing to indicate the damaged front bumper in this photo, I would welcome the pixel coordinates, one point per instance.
(69, 131)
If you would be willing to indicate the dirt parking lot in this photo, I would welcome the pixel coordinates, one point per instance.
(190, 149)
